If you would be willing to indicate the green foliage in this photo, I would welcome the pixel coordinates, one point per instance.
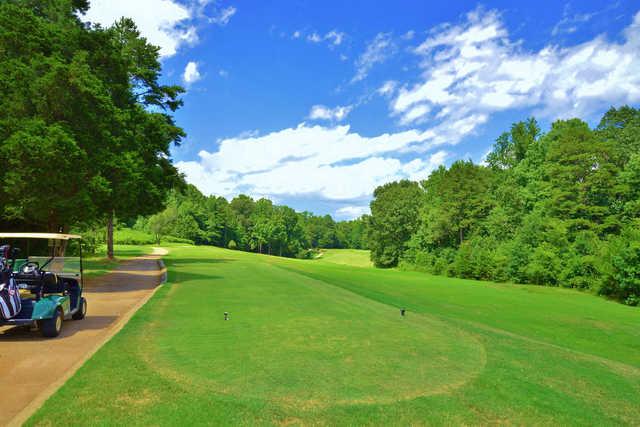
(555, 209)
(512, 147)
(85, 126)
(249, 225)
(394, 218)
(622, 277)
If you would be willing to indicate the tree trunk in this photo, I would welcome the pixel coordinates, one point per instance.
(52, 224)
(461, 235)
(110, 236)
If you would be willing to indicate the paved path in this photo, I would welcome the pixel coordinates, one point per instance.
(32, 367)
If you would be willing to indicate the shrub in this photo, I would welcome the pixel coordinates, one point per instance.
(632, 300)
(544, 265)
(232, 245)
(622, 267)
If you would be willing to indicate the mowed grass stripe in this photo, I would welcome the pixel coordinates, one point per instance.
(565, 318)
(351, 257)
(283, 358)
(308, 344)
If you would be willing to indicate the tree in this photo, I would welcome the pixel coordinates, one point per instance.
(88, 102)
(456, 201)
(136, 166)
(51, 101)
(581, 177)
(394, 218)
(162, 223)
(511, 147)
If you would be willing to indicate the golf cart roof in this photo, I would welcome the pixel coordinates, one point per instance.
(53, 236)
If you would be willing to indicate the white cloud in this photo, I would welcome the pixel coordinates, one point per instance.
(418, 169)
(377, 51)
(327, 162)
(191, 73)
(320, 112)
(473, 69)
(223, 16)
(415, 114)
(223, 73)
(160, 21)
(334, 37)
(167, 24)
(387, 88)
(314, 38)
(570, 22)
(296, 34)
(352, 212)
(190, 36)
(408, 35)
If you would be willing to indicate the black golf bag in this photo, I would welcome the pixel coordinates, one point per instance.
(10, 304)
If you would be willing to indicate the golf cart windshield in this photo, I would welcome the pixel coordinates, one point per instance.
(56, 253)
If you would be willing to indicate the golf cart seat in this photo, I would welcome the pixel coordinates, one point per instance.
(49, 282)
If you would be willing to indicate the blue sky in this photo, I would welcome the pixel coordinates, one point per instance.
(314, 104)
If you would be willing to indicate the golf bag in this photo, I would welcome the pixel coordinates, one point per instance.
(10, 304)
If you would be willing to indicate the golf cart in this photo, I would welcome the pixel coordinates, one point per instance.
(47, 269)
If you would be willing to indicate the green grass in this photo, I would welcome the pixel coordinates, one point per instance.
(321, 343)
(353, 257)
(99, 264)
(129, 236)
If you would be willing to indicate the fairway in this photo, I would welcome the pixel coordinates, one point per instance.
(321, 343)
(352, 257)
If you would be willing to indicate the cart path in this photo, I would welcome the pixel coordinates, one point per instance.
(32, 367)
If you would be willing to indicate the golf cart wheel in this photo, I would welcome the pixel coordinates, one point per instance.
(82, 312)
(50, 328)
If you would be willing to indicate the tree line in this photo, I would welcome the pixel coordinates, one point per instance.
(560, 208)
(250, 225)
(86, 129)
(85, 125)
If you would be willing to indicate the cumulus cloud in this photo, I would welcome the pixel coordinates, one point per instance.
(418, 169)
(167, 24)
(328, 162)
(352, 212)
(160, 21)
(474, 69)
(191, 73)
(320, 112)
